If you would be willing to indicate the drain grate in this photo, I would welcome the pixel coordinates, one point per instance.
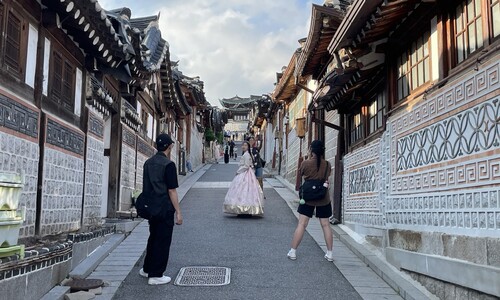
(203, 276)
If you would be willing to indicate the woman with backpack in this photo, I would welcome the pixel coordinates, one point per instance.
(315, 169)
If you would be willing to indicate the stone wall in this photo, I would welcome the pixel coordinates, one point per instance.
(63, 177)
(331, 143)
(292, 157)
(196, 148)
(127, 169)
(361, 188)
(94, 164)
(144, 152)
(20, 153)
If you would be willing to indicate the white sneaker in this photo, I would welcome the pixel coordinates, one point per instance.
(142, 273)
(329, 257)
(159, 280)
(292, 255)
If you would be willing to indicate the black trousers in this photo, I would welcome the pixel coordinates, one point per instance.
(158, 249)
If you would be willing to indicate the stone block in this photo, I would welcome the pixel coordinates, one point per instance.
(480, 296)
(432, 243)
(449, 292)
(56, 293)
(493, 252)
(467, 248)
(39, 283)
(405, 239)
(461, 293)
(60, 271)
(14, 288)
(80, 252)
(81, 295)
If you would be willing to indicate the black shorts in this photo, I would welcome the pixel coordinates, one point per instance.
(324, 211)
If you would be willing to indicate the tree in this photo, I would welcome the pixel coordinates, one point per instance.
(220, 137)
(209, 135)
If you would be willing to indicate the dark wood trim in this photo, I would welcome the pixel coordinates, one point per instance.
(40, 180)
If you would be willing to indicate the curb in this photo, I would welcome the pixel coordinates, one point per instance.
(86, 267)
(400, 282)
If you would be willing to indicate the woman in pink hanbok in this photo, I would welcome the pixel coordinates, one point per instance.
(245, 196)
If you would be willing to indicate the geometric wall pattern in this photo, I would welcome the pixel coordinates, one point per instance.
(471, 209)
(361, 192)
(437, 165)
(471, 131)
(362, 180)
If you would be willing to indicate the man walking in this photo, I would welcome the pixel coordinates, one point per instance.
(231, 149)
(160, 180)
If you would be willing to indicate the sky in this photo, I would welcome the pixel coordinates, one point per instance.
(235, 46)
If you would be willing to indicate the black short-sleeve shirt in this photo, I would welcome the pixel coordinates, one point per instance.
(171, 176)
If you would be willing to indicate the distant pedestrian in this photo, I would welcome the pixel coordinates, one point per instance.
(189, 166)
(231, 148)
(226, 153)
(244, 197)
(160, 180)
(314, 168)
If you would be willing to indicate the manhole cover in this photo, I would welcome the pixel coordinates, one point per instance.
(203, 276)
(85, 284)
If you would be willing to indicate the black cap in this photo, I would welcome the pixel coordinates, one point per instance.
(163, 141)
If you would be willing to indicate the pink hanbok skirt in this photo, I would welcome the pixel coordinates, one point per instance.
(244, 197)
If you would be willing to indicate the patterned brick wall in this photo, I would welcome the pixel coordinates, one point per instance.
(61, 193)
(362, 201)
(144, 152)
(331, 142)
(127, 170)
(196, 148)
(94, 165)
(292, 157)
(440, 149)
(18, 155)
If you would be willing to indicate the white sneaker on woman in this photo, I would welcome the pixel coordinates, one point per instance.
(159, 280)
(292, 255)
(329, 256)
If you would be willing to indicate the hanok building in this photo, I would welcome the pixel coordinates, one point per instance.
(414, 86)
(82, 97)
(239, 112)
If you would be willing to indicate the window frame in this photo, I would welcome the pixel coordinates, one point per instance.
(363, 110)
(412, 66)
(66, 62)
(8, 9)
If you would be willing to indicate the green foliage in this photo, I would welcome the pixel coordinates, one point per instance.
(220, 137)
(209, 135)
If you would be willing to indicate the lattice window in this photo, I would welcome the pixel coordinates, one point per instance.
(468, 28)
(414, 66)
(376, 111)
(62, 82)
(495, 16)
(356, 127)
(13, 37)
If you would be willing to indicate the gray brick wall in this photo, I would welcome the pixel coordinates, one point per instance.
(61, 193)
(141, 159)
(21, 156)
(127, 183)
(93, 181)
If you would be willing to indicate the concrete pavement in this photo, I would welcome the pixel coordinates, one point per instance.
(254, 248)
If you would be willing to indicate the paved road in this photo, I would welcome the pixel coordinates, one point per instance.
(255, 250)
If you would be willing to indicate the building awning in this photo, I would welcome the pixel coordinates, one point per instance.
(88, 25)
(286, 87)
(324, 23)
